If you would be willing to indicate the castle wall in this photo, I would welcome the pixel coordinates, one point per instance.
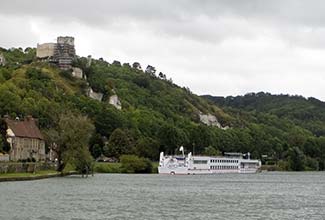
(45, 50)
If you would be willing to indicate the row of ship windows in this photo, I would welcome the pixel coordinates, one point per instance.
(223, 161)
(223, 167)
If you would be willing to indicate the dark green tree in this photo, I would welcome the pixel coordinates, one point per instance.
(148, 148)
(296, 159)
(119, 143)
(70, 141)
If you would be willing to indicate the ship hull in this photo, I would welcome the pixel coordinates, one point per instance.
(202, 172)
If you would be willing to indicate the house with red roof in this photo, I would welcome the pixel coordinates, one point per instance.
(25, 139)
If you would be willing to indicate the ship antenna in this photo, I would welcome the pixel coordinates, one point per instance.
(182, 149)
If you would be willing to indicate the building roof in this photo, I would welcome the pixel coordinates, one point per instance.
(25, 129)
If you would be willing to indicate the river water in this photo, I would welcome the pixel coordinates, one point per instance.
(271, 195)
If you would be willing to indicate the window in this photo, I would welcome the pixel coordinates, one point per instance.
(200, 162)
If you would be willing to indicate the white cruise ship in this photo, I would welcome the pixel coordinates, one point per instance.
(230, 163)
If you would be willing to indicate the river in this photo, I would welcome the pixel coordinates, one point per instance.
(271, 195)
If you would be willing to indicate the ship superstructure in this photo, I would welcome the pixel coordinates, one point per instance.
(230, 163)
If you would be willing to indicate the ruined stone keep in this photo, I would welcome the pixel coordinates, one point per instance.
(62, 52)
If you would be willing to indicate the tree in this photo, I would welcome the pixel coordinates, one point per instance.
(108, 120)
(211, 151)
(1, 143)
(96, 143)
(148, 148)
(70, 141)
(171, 137)
(4, 145)
(119, 143)
(296, 159)
(96, 150)
(201, 137)
(150, 70)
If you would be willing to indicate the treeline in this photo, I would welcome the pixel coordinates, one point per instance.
(292, 127)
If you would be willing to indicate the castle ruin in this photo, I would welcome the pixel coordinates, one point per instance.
(62, 52)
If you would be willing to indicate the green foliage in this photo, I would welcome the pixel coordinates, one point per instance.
(311, 164)
(147, 147)
(171, 137)
(108, 120)
(17, 56)
(120, 142)
(5, 74)
(135, 164)
(66, 74)
(69, 139)
(211, 151)
(108, 168)
(1, 143)
(307, 113)
(296, 159)
(37, 74)
(158, 115)
(277, 125)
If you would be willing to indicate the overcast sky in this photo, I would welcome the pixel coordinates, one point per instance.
(215, 47)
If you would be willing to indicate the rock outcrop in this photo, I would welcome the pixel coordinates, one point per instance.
(211, 120)
(2, 60)
(115, 101)
(95, 95)
(77, 72)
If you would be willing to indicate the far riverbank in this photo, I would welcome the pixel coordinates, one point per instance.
(32, 176)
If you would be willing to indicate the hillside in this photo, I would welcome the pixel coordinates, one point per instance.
(151, 114)
(286, 124)
(307, 113)
(156, 114)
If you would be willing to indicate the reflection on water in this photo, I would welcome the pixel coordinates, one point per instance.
(113, 196)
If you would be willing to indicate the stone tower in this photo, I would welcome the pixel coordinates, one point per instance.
(64, 52)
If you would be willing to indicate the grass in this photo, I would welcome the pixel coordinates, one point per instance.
(101, 167)
(19, 175)
(155, 167)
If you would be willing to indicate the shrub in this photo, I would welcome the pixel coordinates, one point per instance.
(135, 164)
(107, 168)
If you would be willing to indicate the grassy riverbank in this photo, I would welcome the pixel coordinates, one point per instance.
(98, 168)
(29, 176)
(38, 173)
(101, 167)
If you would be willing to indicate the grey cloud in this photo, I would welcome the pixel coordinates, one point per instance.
(234, 45)
(180, 18)
(173, 17)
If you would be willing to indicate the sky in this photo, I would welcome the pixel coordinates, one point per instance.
(217, 47)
